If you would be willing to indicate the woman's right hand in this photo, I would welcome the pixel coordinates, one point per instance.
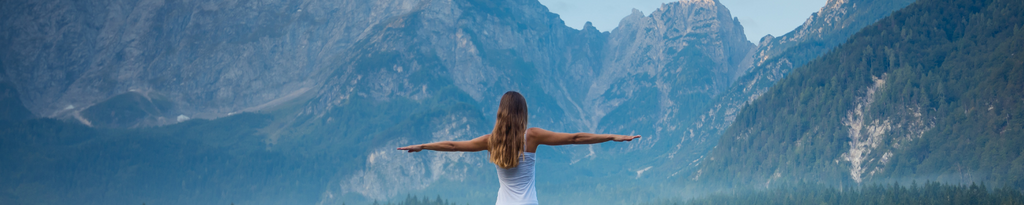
(625, 138)
(412, 148)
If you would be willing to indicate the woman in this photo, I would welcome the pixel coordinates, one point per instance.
(513, 148)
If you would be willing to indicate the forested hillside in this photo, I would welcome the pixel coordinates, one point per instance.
(774, 58)
(931, 92)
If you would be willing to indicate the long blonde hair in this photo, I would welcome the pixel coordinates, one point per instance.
(506, 143)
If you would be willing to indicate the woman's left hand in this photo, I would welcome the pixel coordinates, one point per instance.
(625, 138)
(412, 148)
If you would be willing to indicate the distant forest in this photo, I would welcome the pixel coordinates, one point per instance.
(881, 194)
(808, 193)
(413, 200)
(409, 200)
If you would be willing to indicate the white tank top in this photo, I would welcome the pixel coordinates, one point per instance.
(517, 183)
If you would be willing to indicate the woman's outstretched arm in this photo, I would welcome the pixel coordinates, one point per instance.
(473, 145)
(557, 138)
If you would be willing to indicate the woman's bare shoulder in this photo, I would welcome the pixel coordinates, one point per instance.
(534, 131)
(483, 139)
(533, 136)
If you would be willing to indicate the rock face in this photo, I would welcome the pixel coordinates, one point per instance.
(682, 54)
(660, 71)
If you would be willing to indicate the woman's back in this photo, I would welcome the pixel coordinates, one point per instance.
(517, 183)
(513, 146)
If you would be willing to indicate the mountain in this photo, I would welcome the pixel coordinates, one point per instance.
(303, 102)
(929, 93)
(207, 59)
(773, 58)
(568, 76)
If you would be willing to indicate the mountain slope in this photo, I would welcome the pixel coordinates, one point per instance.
(928, 93)
(209, 58)
(773, 58)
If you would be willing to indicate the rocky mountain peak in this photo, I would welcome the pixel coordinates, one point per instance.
(680, 40)
(636, 12)
(588, 26)
(696, 2)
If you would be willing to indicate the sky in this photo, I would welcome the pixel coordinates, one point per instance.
(759, 17)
